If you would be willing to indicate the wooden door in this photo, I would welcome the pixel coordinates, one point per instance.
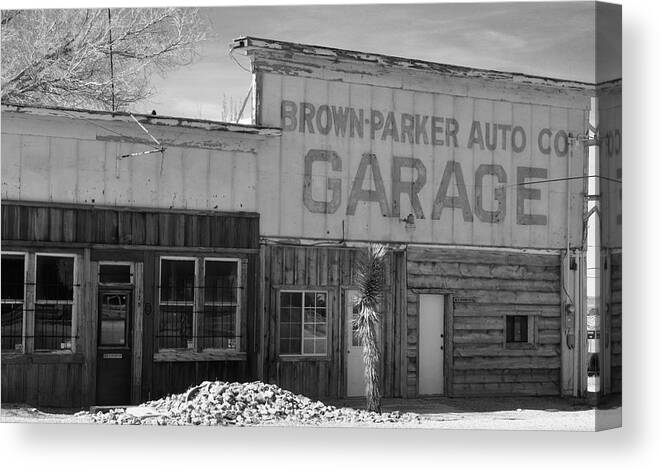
(114, 347)
(431, 330)
(354, 348)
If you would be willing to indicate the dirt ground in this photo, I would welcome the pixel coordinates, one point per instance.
(522, 413)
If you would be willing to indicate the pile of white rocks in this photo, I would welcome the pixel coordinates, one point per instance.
(221, 403)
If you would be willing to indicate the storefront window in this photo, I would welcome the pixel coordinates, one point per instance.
(53, 309)
(13, 301)
(303, 323)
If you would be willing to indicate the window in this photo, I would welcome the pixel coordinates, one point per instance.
(53, 308)
(114, 319)
(115, 273)
(176, 303)
(13, 300)
(200, 304)
(38, 307)
(519, 330)
(221, 297)
(303, 322)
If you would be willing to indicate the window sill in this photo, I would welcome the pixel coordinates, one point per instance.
(42, 357)
(303, 358)
(209, 355)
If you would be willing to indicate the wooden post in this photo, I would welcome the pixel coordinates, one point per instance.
(605, 334)
(30, 291)
(136, 378)
(566, 329)
(93, 329)
(449, 346)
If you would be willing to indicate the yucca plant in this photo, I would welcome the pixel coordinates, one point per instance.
(370, 280)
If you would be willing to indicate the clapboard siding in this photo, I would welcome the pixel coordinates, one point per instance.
(616, 322)
(132, 227)
(331, 269)
(495, 283)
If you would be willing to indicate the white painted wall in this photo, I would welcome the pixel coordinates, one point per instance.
(59, 159)
(610, 163)
(281, 203)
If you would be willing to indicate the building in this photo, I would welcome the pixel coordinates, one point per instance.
(228, 251)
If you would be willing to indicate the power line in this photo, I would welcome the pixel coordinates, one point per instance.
(551, 180)
(236, 61)
(130, 138)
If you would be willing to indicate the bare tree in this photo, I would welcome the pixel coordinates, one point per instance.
(63, 57)
(229, 109)
(370, 280)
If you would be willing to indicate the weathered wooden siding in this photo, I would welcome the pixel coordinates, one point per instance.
(180, 370)
(177, 377)
(52, 380)
(139, 236)
(495, 283)
(331, 269)
(615, 307)
(43, 380)
(119, 226)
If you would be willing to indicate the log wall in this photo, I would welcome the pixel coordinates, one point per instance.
(492, 284)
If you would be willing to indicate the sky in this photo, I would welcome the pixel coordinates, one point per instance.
(552, 39)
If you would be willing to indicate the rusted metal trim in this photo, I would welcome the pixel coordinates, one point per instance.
(398, 244)
(171, 121)
(78, 246)
(133, 209)
(211, 144)
(286, 50)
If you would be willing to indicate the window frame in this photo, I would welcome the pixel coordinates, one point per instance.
(74, 300)
(531, 342)
(131, 266)
(198, 304)
(22, 301)
(30, 301)
(176, 303)
(238, 305)
(302, 292)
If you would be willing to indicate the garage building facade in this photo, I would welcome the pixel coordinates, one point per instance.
(229, 252)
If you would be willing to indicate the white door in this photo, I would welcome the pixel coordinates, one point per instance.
(354, 362)
(431, 343)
